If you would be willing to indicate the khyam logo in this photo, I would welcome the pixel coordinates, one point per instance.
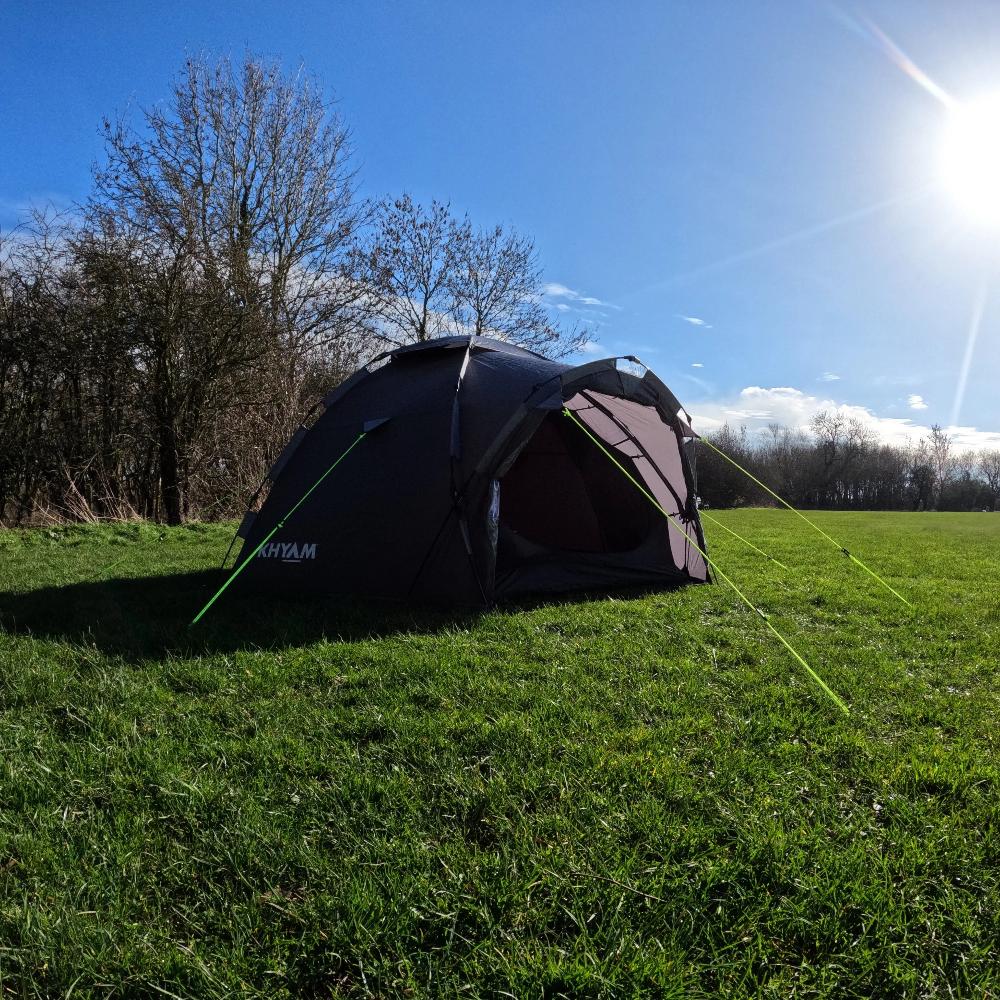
(290, 552)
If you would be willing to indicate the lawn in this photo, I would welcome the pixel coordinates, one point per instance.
(616, 796)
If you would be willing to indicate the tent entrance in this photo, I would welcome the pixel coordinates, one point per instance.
(561, 493)
(569, 519)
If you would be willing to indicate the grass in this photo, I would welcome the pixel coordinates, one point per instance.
(619, 797)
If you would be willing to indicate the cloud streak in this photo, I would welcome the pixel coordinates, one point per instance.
(695, 321)
(555, 290)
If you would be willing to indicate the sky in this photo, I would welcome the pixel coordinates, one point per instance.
(748, 196)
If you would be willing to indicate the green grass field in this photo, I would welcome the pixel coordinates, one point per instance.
(621, 796)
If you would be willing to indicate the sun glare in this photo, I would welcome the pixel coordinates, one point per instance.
(970, 158)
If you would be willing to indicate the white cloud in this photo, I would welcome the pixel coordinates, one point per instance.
(591, 347)
(828, 377)
(555, 290)
(756, 407)
(562, 307)
(697, 364)
(695, 321)
(915, 402)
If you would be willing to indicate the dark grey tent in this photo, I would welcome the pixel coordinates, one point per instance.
(471, 484)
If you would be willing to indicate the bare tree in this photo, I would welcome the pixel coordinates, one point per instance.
(988, 467)
(842, 443)
(429, 273)
(786, 462)
(939, 453)
(920, 476)
(409, 267)
(497, 293)
(964, 489)
(828, 429)
(231, 212)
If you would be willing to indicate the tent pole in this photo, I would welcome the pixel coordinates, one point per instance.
(745, 541)
(239, 569)
(812, 524)
(746, 600)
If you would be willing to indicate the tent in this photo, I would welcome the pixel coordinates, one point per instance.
(467, 470)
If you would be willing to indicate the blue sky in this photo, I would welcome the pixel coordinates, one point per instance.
(766, 168)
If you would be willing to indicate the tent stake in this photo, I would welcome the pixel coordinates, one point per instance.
(239, 569)
(746, 600)
(812, 524)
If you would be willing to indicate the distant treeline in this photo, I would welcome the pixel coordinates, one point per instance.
(841, 464)
(160, 344)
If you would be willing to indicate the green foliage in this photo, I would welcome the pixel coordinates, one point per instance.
(619, 796)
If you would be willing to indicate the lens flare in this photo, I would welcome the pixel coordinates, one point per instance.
(906, 64)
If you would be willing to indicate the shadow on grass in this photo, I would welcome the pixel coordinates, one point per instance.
(142, 618)
(148, 617)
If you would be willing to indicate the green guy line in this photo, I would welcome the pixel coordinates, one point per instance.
(811, 524)
(236, 572)
(746, 600)
(745, 541)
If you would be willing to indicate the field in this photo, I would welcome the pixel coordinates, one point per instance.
(618, 796)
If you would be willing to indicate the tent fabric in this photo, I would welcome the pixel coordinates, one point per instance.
(471, 486)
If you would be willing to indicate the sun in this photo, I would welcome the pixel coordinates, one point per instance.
(970, 158)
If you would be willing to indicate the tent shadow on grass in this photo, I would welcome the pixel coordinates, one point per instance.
(142, 618)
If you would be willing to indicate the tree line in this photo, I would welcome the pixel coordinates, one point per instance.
(841, 464)
(160, 344)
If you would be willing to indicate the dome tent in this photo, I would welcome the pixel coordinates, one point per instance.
(448, 471)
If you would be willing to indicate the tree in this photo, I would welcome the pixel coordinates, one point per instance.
(429, 274)
(841, 444)
(784, 459)
(939, 450)
(988, 467)
(63, 387)
(29, 323)
(410, 266)
(496, 289)
(231, 214)
(719, 483)
(920, 476)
